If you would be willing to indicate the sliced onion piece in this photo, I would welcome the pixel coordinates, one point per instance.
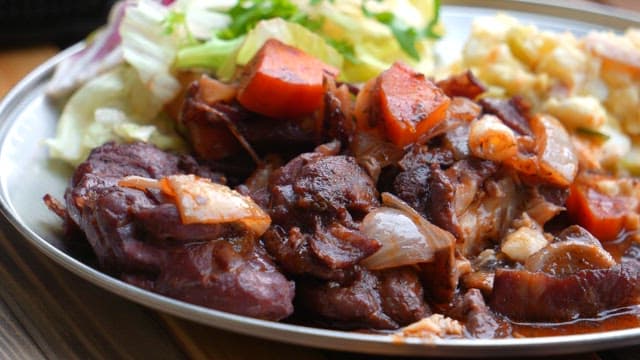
(575, 250)
(491, 139)
(406, 237)
(402, 241)
(438, 238)
(139, 182)
(201, 201)
(374, 153)
(558, 162)
(212, 91)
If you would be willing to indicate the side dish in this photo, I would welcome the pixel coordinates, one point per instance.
(590, 83)
(498, 201)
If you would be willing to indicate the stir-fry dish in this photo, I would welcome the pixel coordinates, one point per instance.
(496, 201)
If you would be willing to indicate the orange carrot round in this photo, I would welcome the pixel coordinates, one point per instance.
(410, 105)
(283, 82)
(602, 215)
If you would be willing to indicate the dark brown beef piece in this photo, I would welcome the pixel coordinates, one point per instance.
(425, 156)
(417, 182)
(527, 296)
(412, 186)
(317, 184)
(440, 276)
(316, 201)
(139, 236)
(478, 319)
(220, 130)
(256, 185)
(323, 254)
(105, 212)
(464, 84)
(440, 204)
(429, 181)
(512, 112)
(402, 295)
(236, 277)
(336, 118)
(381, 300)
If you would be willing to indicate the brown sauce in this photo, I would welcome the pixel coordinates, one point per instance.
(619, 319)
(625, 245)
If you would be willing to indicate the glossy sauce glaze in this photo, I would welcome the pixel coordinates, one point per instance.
(625, 247)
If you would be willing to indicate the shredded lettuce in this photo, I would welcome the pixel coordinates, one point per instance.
(112, 106)
(381, 32)
(291, 34)
(223, 56)
(204, 17)
(148, 49)
(405, 34)
(361, 38)
(212, 55)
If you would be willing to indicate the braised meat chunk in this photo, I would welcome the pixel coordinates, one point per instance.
(381, 300)
(317, 204)
(236, 277)
(316, 201)
(218, 128)
(479, 320)
(536, 296)
(140, 235)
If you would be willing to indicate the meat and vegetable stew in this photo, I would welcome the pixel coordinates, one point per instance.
(402, 204)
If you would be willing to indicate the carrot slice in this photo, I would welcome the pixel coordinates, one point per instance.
(283, 82)
(410, 105)
(602, 215)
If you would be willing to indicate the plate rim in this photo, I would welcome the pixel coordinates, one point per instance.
(340, 340)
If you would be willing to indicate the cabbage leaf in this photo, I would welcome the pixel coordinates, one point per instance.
(112, 106)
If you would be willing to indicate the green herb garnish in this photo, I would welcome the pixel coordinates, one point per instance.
(593, 134)
(247, 13)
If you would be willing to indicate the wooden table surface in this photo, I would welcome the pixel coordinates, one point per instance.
(46, 312)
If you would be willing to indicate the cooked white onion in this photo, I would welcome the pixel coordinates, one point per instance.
(522, 243)
(577, 252)
(558, 162)
(402, 241)
(438, 238)
(201, 201)
(491, 139)
(406, 237)
(373, 153)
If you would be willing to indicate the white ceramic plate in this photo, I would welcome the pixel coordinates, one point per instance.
(27, 117)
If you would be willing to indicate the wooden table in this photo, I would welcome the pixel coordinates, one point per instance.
(47, 312)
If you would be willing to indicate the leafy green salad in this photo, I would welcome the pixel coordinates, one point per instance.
(117, 86)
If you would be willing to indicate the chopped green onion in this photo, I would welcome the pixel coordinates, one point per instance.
(594, 134)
